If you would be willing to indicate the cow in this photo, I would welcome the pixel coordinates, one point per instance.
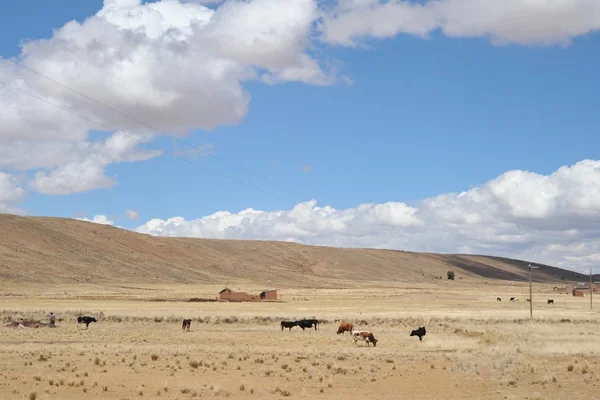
(420, 332)
(86, 320)
(288, 324)
(514, 299)
(345, 327)
(498, 299)
(186, 325)
(550, 301)
(528, 299)
(308, 323)
(364, 335)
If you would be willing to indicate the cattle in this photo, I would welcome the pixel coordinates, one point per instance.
(308, 323)
(550, 301)
(345, 327)
(186, 325)
(514, 299)
(364, 335)
(86, 320)
(498, 299)
(528, 299)
(420, 332)
(288, 324)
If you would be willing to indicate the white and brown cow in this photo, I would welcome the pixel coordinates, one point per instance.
(364, 335)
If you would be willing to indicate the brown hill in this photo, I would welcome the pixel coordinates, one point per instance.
(60, 250)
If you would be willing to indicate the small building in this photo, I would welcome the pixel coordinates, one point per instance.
(578, 292)
(229, 295)
(268, 294)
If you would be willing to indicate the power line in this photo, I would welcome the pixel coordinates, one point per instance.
(155, 129)
(158, 148)
(144, 143)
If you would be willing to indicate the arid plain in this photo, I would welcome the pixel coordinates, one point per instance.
(475, 348)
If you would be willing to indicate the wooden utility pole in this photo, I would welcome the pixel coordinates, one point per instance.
(591, 290)
(530, 293)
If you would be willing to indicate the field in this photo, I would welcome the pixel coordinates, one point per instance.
(475, 348)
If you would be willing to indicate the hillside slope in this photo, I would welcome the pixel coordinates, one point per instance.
(59, 250)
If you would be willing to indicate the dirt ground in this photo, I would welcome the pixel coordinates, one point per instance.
(475, 347)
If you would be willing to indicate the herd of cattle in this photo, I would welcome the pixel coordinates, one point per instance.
(357, 335)
(550, 301)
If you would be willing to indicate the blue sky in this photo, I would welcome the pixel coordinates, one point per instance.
(422, 118)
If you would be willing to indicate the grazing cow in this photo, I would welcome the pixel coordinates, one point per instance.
(308, 323)
(420, 332)
(364, 335)
(514, 299)
(498, 299)
(527, 299)
(345, 327)
(550, 301)
(86, 320)
(288, 324)
(186, 325)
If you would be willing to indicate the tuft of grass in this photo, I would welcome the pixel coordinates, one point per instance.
(570, 367)
(242, 387)
(154, 357)
(97, 361)
(105, 388)
(32, 396)
(194, 364)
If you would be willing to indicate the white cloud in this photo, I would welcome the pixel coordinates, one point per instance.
(527, 22)
(131, 215)
(174, 65)
(306, 169)
(10, 194)
(552, 219)
(98, 219)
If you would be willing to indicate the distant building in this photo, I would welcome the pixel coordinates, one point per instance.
(229, 295)
(578, 292)
(268, 294)
(585, 286)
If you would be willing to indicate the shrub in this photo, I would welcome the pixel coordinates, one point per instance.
(450, 275)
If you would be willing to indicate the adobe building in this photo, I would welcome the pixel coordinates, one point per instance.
(268, 294)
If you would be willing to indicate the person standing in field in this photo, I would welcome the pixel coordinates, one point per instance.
(52, 320)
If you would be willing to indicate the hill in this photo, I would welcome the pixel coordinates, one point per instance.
(61, 250)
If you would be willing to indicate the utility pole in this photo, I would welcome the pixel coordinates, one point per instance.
(530, 293)
(591, 289)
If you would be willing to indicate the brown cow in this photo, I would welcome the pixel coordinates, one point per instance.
(345, 327)
(366, 336)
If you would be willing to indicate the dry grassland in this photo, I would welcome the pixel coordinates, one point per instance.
(475, 348)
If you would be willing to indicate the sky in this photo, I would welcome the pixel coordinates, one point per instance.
(455, 126)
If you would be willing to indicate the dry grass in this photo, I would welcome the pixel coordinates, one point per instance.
(475, 347)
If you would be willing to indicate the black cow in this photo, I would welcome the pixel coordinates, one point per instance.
(186, 325)
(288, 324)
(86, 320)
(307, 323)
(550, 301)
(498, 299)
(419, 332)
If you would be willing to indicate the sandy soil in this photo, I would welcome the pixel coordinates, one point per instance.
(475, 348)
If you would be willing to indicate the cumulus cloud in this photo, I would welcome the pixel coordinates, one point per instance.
(10, 194)
(552, 219)
(526, 22)
(98, 219)
(132, 215)
(175, 65)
